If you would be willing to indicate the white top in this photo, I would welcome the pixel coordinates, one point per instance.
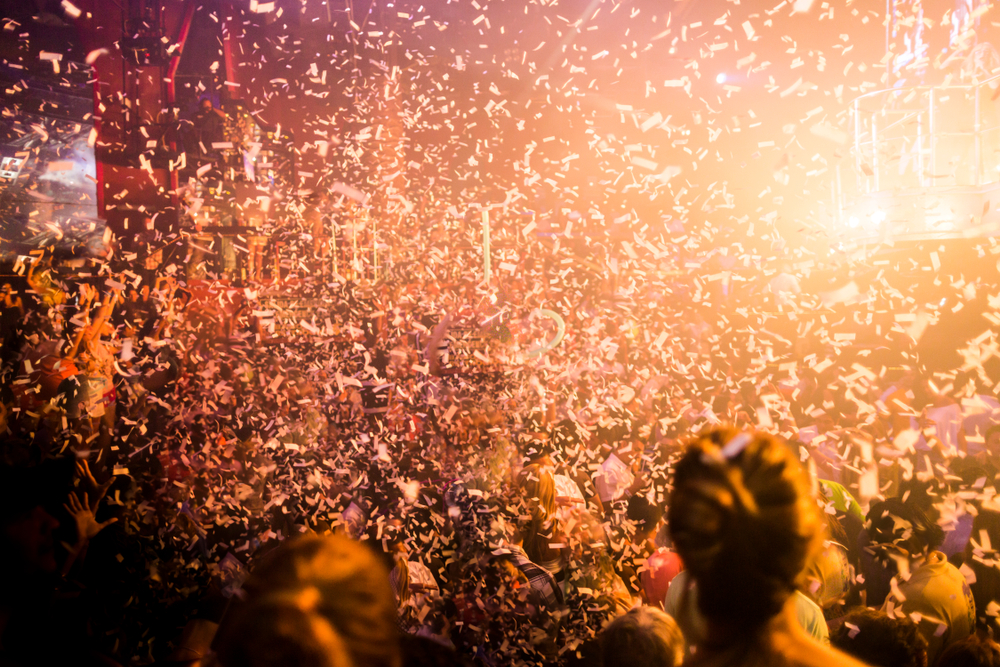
(612, 479)
(947, 423)
(568, 489)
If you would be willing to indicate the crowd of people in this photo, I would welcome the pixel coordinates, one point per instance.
(697, 465)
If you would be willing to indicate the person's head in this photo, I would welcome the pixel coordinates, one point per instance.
(643, 637)
(986, 526)
(923, 492)
(897, 528)
(973, 651)
(317, 601)
(538, 452)
(565, 435)
(876, 639)
(825, 422)
(744, 520)
(646, 516)
(588, 538)
(617, 431)
(205, 105)
(27, 542)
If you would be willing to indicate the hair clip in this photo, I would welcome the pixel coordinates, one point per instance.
(305, 599)
(736, 445)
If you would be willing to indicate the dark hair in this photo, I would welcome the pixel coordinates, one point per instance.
(984, 560)
(643, 637)
(316, 601)
(565, 434)
(922, 493)
(744, 522)
(621, 427)
(536, 448)
(424, 652)
(903, 525)
(836, 530)
(878, 640)
(644, 513)
(972, 651)
(24, 487)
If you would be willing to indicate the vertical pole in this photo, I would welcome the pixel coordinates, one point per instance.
(839, 198)
(171, 97)
(933, 137)
(277, 265)
(875, 165)
(230, 25)
(857, 144)
(890, 18)
(835, 215)
(354, 254)
(487, 271)
(920, 148)
(976, 142)
(333, 243)
(374, 250)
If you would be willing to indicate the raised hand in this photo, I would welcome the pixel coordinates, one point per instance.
(87, 526)
(98, 491)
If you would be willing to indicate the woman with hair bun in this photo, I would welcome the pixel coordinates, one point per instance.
(317, 601)
(744, 521)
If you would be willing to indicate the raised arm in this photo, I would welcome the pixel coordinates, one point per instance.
(93, 330)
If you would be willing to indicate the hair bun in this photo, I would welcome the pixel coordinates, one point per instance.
(744, 523)
(282, 630)
(316, 601)
(308, 599)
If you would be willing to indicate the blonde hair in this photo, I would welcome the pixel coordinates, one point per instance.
(400, 580)
(538, 487)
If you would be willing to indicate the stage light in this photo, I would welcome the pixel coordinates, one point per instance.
(878, 217)
(853, 222)
(720, 77)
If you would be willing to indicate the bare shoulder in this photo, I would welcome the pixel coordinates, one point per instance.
(790, 654)
(814, 654)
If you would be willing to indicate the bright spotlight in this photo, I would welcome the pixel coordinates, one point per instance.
(853, 222)
(720, 77)
(878, 217)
